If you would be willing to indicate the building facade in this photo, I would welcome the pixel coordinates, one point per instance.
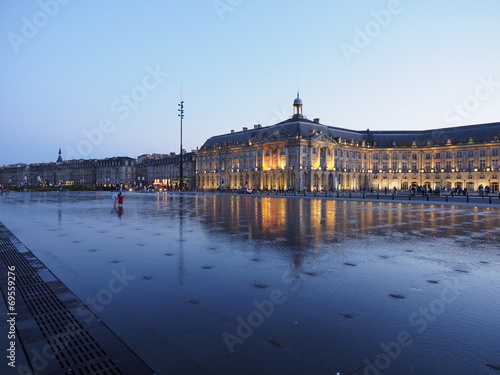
(164, 170)
(106, 172)
(302, 154)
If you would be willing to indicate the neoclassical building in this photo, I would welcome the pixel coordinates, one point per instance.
(306, 155)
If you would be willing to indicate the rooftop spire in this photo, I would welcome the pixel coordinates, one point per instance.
(297, 107)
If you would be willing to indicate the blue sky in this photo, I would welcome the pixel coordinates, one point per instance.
(103, 78)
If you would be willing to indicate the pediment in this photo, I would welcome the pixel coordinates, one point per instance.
(324, 138)
(273, 138)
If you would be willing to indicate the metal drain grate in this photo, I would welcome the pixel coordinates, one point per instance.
(58, 333)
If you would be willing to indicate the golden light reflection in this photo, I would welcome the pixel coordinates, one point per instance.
(310, 223)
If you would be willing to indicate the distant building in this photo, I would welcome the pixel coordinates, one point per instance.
(306, 155)
(109, 171)
(164, 170)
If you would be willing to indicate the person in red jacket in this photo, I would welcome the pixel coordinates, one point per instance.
(120, 199)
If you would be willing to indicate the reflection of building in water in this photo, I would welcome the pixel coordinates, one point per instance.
(307, 155)
(302, 224)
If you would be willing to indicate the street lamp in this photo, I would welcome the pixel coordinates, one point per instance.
(181, 176)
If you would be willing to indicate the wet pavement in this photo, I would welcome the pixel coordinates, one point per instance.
(208, 284)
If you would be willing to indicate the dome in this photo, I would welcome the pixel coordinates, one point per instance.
(297, 101)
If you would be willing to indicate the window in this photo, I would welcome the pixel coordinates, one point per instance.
(413, 166)
(394, 165)
(384, 166)
(385, 156)
(304, 149)
(459, 154)
(448, 166)
(437, 155)
(448, 155)
(375, 156)
(404, 166)
(460, 164)
(394, 156)
(438, 166)
(414, 156)
(494, 163)
(314, 150)
(404, 156)
(482, 153)
(494, 152)
(375, 166)
(427, 156)
(482, 164)
(470, 164)
(470, 154)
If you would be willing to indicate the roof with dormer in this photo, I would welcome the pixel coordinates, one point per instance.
(306, 129)
(299, 127)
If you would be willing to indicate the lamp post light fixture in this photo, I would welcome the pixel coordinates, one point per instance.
(181, 166)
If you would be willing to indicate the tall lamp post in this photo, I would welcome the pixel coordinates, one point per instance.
(181, 177)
